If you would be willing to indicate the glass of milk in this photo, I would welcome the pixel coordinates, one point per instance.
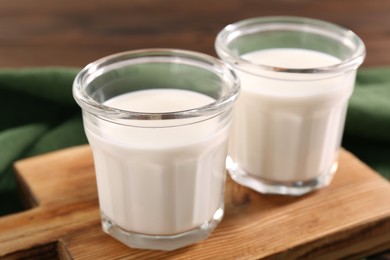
(297, 75)
(158, 121)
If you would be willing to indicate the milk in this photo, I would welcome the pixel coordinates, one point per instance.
(288, 126)
(159, 177)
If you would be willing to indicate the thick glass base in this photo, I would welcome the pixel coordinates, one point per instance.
(164, 242)
(294, 188)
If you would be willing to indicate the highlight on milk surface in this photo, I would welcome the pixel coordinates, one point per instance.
(296, 75)
(158, 122)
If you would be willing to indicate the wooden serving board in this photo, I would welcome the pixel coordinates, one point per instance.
(348, 219)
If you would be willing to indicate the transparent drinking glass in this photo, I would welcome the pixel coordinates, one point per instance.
(158, 121)
(296, 75)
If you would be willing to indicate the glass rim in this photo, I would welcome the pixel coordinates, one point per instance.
(295, 23)
(155, 55)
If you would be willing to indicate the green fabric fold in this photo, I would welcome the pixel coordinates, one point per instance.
(369, 106)
(14, 143)
(68, 133)
(39, 115)
(367, 128)
(49, 84)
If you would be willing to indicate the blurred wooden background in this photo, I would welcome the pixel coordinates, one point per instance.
(74, 33)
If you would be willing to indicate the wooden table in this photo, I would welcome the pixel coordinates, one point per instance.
(74, 33)
(349, 219)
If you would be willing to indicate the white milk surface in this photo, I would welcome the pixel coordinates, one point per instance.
(161, 180)
(288, 127)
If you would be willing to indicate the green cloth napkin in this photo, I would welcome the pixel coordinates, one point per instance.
(38, 115)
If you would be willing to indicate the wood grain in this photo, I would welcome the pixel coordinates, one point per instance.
(348, 219)
(52, 33)
(60, 187)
